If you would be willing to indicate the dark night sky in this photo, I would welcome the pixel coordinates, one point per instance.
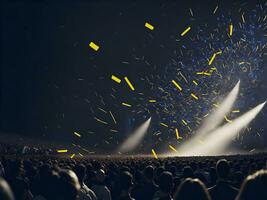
(44, 51)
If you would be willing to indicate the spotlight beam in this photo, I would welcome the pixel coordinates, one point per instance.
(222, 136)
(135, 138)
(214, 119)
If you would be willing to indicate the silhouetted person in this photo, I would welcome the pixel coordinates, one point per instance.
(254, 187)
(17, 181)
(223, 189)
(101, 191)
(149, 187)
(165, 187)
(5, 191)
(85, 193)
(68, 185)
(126, 182)
(192, 189)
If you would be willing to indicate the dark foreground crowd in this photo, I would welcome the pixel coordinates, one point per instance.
(196, 178)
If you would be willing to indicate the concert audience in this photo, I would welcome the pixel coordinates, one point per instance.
(57, 178)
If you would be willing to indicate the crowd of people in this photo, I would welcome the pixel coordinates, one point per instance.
(240, 177)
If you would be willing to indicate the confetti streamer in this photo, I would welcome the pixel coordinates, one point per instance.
(215, 10)
(231, 29)
(235, 111)
(72, 155)
(77, 134)
(228, 120)
(186, 31)
(212, 58)
(62, 151)
(112, 116)
(172, 148)
(99, 120)
(129, 83)
(162, 124)
(152, 101)
(195, 82)
(194, 96)
(126, 104)
(177, 134)
(243, 19)
(116, 79)
(177, 85)
(94, 46)
(154, 153)
(149, 26)
(184, 122)
(81, 154)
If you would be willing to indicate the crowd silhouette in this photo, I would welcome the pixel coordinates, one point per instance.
(240, 177)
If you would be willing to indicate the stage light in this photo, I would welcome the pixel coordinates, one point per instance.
(214, 119)
(216, 141)
(135, 138)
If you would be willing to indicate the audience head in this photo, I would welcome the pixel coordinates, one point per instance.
(80, 171)
(100, 176)
(254, 187)
(126, 180)
(5, 191)
(69, 185)
(149, 173)
(166, 182)
(188, 172)
(222, 168)
(192, 189)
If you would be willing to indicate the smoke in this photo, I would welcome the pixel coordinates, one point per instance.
(214, 119)
(222, 136)
(132, 141)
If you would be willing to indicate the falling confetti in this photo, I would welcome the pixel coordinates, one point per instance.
(94, 46)
(149, 26)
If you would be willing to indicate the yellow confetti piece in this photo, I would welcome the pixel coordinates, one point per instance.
(195, 82)
(77, 134)
(177, 134)
(112, 116)
(94, 46)
(185, 31)
(152, 101)
(207, 74)
(184, 122)
(216, 8)
(177, 85)
(149, 26)
(62, 151)
(219, 52)
(116, 79)
(235, 111)
(129, 83)
(162, 124)
(72, 155)
(212, 58)
(126, 104)
(172, 148)
(227, 120)
(194, 96)
(231, 29)
(154, 153)
(99, 120)
(203, 73)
